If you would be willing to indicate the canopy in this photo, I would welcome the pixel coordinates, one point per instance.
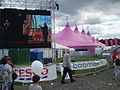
(83, 35)
(74, 39)
(68, 35)
(59, 46)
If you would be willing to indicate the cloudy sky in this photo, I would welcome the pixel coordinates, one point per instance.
(100, 17)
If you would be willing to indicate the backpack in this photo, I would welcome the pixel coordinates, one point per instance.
(14, 76)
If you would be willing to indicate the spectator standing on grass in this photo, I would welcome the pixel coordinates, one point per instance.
(117, 66)
(67, 67)
(14, 75)
(3, 76)
(114, 57)
(6, 61)
(35, 85)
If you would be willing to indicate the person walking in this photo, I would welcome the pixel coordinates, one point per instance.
(67, 67)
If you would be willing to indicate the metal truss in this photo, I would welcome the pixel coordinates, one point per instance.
(27, 4)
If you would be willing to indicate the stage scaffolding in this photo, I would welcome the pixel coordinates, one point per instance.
(50, 5)
(27, 4)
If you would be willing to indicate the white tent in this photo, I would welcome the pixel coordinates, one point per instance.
(59, 46)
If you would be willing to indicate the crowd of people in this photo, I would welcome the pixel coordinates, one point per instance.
(8, 74)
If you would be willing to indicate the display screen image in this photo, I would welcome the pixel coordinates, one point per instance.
(25, 28)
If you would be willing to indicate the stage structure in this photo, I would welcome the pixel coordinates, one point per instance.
(47, 5)
(26, 4)
(26, 21)
(25, 28)
(30, 4)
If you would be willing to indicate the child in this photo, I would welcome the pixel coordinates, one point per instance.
(34, 85)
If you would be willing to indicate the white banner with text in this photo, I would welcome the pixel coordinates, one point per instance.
(84, 64)
(25, 74)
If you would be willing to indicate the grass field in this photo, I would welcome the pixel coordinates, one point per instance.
(80, 58)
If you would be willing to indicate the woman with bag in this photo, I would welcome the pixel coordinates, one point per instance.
(3, 76)
(7, 62)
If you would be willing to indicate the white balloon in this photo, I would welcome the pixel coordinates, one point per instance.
(37, 67)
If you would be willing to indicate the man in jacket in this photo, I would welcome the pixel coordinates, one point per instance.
(67, 67)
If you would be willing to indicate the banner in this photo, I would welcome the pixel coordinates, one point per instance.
(88, 64)
(25, 74)
(85, 64)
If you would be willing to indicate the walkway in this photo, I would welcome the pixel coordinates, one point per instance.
(102, 81)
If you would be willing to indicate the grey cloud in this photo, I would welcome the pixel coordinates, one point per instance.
(63, 23)
(110, 36)
(93, 20)
(72, 6)
(94, 30)
(107, 6)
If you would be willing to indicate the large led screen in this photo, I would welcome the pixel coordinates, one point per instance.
(25, 28)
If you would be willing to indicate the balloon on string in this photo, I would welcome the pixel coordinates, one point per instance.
(37, 67)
